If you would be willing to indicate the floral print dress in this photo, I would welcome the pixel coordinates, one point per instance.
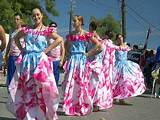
(33, 94)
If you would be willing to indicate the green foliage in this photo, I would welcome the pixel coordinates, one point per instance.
(9, 7)
(49, 7)
(106, 23)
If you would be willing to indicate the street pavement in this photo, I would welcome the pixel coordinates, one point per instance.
(139, 108)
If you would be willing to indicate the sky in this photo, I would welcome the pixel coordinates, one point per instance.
(140, 15)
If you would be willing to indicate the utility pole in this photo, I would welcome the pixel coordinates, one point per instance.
(123, 18)
(71, 15)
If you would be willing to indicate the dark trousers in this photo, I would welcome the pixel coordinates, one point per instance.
(56, 70)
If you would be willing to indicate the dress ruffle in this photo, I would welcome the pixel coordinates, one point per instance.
(84, 37)
(46, 31)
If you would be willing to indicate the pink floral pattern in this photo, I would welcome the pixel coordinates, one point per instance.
(74, 37)
(34, 97)
(33, 92)
(128, 80)
(46, 31)
(102, 72)
(76, 85)
(77, 100)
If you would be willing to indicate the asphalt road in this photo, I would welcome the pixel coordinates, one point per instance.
(140, 108)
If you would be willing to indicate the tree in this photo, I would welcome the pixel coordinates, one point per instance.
(9, 7)
(106, 23)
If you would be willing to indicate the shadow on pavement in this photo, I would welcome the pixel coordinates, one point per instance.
(148, 91)
(5, 118)
(125, 103)
(60, 113)
(3, 103)
(2, 85)
(144, 96)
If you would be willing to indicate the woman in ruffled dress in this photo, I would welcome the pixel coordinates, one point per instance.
(128, 79)
(98, 74)
(77, 92)
(34, 95)
(108, 60)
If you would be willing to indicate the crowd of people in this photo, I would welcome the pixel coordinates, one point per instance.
(97, 72)
(147, 60)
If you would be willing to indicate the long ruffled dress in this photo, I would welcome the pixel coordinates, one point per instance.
(33, 91)
(128, 79)
(77, 96)
(96, 76)
(105, 96)
(99, 74)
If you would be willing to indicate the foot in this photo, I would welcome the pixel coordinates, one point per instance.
(95, 108)
(122, 102)
(114, 101)
(156, 96)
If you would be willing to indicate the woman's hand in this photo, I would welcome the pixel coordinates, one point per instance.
(60, 64)
(46, 51)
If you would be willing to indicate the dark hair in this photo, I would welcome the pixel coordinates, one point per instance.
(109, 34)
(129, 44)
(18, 14)
(118, 35)
(39, 8)
(135, 46)
(93, 25)
(53, 24)
(80, 18)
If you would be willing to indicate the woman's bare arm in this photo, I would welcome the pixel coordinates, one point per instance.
(17, 40)
(2, 38)
(58, 39)
(97, 49)
(62, 53)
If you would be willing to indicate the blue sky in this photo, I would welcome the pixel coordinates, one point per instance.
(140, 15)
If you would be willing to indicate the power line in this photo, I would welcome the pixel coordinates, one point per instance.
(98, 2)
(145, 20)
(140, 4)
(142, 18)
(136, 19)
